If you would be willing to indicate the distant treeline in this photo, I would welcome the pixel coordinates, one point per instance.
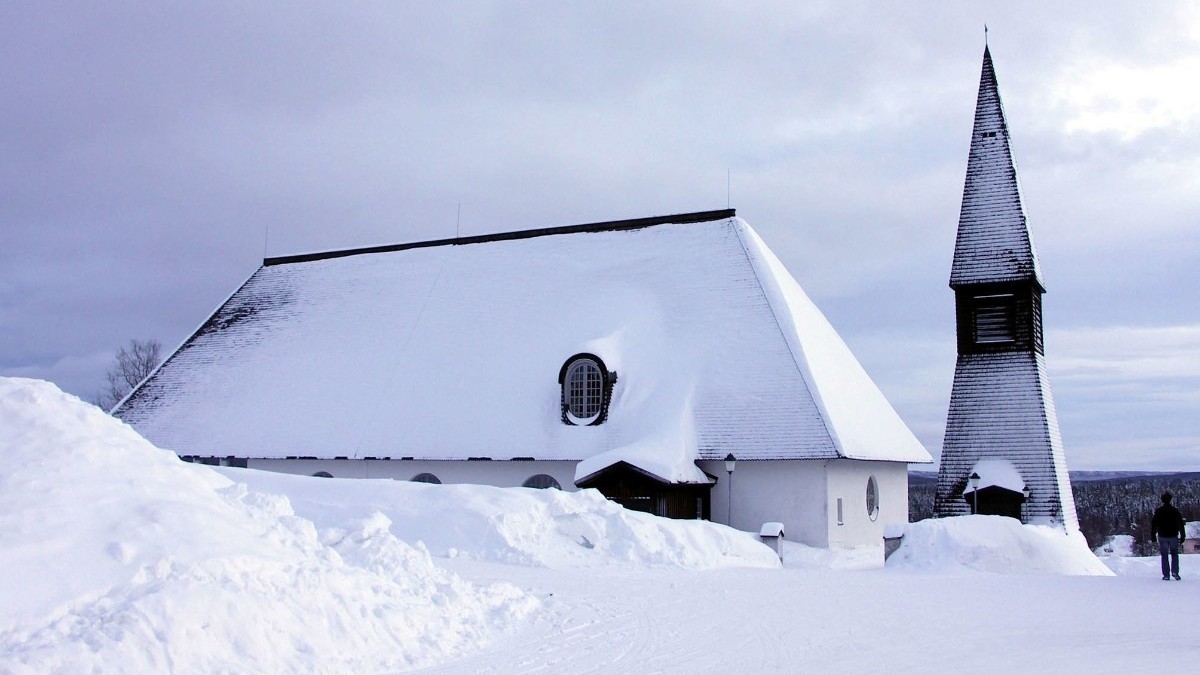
(1122, 504)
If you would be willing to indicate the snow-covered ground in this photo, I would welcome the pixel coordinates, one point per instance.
(117, 557)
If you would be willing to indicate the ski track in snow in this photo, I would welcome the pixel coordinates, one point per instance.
(603, 623)
(798, 620)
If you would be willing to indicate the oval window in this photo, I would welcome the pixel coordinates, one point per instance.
(583, 391)
(426, 478)
(872, 498)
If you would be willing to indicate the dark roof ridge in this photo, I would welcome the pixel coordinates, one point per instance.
(606, 226)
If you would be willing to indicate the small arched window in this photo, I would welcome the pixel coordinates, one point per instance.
(427, 478)
(541, 482)
(322, 474)
(585, 388)
(872, 498)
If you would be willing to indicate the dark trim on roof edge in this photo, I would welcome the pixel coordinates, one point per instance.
(607, 226)
(622, 465)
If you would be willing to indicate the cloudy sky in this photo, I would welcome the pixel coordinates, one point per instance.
(151, 154)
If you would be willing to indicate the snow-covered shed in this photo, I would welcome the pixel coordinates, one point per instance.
(631, 356)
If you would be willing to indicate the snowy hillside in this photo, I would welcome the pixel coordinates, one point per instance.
(119, 558)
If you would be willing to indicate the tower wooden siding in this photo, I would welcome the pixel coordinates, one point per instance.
(1001, 406)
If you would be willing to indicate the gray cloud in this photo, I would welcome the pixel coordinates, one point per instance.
(149, 149)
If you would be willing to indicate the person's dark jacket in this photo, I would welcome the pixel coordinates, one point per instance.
(1167, 522)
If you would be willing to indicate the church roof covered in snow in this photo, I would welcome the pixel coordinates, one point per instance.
(993, 242)
(453, 350)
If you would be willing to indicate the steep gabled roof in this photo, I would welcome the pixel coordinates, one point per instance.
(993, 243)
(857, 415)
(452, 351)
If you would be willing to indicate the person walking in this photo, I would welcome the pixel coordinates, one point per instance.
(1167, 527)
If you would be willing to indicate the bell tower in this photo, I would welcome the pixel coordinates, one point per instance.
(1002, 453)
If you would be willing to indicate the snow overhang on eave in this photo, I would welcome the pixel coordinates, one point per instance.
(405, 458)
(915, 458)
(996, 473)
(704, 479)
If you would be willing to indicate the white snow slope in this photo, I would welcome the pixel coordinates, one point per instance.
(993, 544)
(117, 557)
(521, 526)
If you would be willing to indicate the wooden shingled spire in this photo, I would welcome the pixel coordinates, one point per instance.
(993, 241)
(1002, 452)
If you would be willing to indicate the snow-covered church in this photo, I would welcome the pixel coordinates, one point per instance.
(673, 363)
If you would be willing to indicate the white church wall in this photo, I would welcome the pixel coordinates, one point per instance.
(848, 480)
(801, 494)
(791, 492)
(508, 473)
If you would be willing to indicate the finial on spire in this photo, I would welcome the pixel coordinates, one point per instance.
(985, 44)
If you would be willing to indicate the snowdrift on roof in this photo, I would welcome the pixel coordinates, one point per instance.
(996, 473)
(993, 544)
(453, 352)
(117, 557)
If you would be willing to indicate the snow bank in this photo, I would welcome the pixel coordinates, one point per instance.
(1118, 545)
(802, 556)
(1145, 567)
(993, 544)
(541, 528)
(118, 557)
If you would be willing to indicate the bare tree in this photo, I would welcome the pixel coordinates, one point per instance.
(132, 364)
